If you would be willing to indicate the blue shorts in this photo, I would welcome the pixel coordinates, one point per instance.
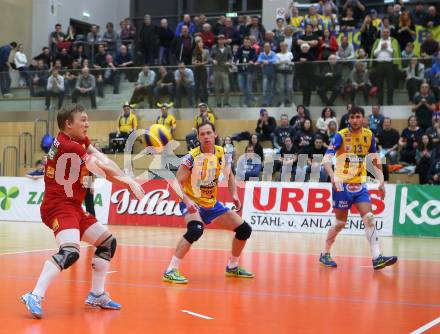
(352, 193)
(207, 214)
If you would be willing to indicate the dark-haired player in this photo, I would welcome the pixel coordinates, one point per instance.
(198, 177)
(66, 177)
(351, 147)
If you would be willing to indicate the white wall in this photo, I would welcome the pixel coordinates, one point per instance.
(101, 12)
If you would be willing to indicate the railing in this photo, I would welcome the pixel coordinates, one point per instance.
(10, 161)
(41, 128)
(25, 149)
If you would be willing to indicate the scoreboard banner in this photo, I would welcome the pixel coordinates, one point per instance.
(307, 208)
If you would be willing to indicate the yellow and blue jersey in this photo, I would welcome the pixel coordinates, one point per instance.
(205, 172)
(351, 150)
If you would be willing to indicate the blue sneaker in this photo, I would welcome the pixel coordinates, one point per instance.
(103, 301)
(35, 174)
(384, 261)
(33, 304)
(326, 260)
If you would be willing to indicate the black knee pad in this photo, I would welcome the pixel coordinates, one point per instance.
(106, 250)
(66, 256)
(194, 231)
(243, 232)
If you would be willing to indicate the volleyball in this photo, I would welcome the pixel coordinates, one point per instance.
(157, 136)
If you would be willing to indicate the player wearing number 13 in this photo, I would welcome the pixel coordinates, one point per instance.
(198, 177)
(353, 148)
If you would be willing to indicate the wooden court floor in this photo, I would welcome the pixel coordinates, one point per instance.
(291, 293)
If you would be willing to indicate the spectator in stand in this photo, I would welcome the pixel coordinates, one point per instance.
(149, 41)
(270, 38)
(434, 76)
(207, 36)
(388, 141)
(186, 22)
(305, 72)
(289, 39)
(5, 66)
(386, 51)
(46, 57)
(63, 44)
(309, 38)
(79, 54)
(219, 25)
(301, 114)
(363, 57)
(144, 87)
(93, 39)
(424, 106)
(166, 36)
(434, 170)
(278, 31)
(265, 126)
(221, 56)
(256, 29)
(331, 132)
(283, 131)
(124, 61)
(345, 52)
(415, 75)
(183, 45)
(348, 22)
(111, 38)
(255, 45)
(200, 60)
(258, 149)
(55, 88)
(424, 153)
(433, 131)
(314, 162)
(204, 116)
(406, 30)
(330, 80)
(359, 81)
(284, 72)
(85, 86)
(328, 45)
(303, 143)
(288, 160)
(375, 20)
(164, 84)
(229, 149)
(184, 78)
(418, 14)
(21, 64)
(429, 46)
(358, 7)
(110, 75)
(322, 124)
(232, 36)
(267, 60)
(100, 57)
(128, 33)
(369, 34)
(313, 18)
(375, 120)
(167, 119)
(407, 54)
(245, 59)
(432, 18)
(249, 165)
(65, 58)
(38, 80)
(127, 123)
(344, 119)
(294, 19)
(387, 25)
(71, 34)
(241, 26)
(409, 141)
(54, 38)
(394, 16)
(71, 76)
(329, 19)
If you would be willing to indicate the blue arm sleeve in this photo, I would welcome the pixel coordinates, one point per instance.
(335, 144)
(373, 146)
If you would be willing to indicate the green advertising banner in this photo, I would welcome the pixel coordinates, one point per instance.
(417, 211)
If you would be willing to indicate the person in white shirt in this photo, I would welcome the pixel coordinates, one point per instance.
(21, 63)
(327, 115)
(284, 70)
(385, 68)
(55, 87)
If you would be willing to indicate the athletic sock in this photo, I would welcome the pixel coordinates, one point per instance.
(371, 234)
(100, 269)
(331, 235)
(233, 262)
(174, 264)
(48, 274)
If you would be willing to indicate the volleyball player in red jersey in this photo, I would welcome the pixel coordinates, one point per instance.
(66, 177)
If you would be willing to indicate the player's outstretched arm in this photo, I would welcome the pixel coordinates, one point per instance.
(233, 191)
(183, 175)
(100, 165)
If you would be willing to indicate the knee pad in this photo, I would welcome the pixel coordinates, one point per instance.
(106, 250)
(243, 232)
(368, 219)
(194, 231)
(66, 256)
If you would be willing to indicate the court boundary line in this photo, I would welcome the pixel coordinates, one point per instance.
(427, 326)
(198, 315)
(36, 251)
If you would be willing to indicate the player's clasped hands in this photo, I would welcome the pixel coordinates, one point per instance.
(337, 184)
(136, 189)
(191, 206)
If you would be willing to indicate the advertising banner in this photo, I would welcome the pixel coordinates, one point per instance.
(307, 207)
(20, 199)
(417, 211)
